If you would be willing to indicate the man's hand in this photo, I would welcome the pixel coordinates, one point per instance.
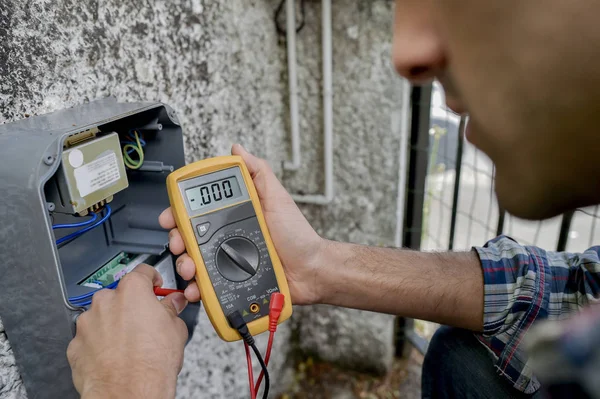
(129, 344)
(296, 242)
(445, 288)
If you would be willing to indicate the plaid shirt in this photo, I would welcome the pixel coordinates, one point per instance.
(524, 284)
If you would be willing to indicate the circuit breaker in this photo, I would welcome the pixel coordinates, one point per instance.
(80, 191)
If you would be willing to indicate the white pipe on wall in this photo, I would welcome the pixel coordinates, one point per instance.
(327, 105)
(293, 85)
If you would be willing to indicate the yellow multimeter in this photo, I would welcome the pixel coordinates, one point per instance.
(220, 218)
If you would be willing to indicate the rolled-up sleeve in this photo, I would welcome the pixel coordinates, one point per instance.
(523, 284)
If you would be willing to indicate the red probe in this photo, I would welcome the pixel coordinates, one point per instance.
(164, 291)
(275, 308)
(253, 392)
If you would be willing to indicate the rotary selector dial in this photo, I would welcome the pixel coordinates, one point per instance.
(237, 259)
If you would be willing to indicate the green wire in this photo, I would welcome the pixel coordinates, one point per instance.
(130, 162)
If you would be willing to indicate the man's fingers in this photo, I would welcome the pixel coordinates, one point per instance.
(174, 303)
(142, 274)
(192, 293)
(186, 267)
(99, 298)
(266, 183)
(253, 163)
(176, 244)
(72, 351)
(73, 355)
(167, 220)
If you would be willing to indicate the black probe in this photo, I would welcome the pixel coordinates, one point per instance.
(237, 321)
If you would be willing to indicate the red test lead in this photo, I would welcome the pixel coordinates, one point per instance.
(164, 291)
(275, 308)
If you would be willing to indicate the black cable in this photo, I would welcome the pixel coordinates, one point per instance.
(281, 30)
(264, 369)
(237, 321)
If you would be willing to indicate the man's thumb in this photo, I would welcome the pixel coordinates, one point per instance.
(174, 303)
(253, 163)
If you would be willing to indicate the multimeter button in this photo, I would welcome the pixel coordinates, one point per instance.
(203, 229)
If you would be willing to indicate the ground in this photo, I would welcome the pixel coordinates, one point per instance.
(320, 380)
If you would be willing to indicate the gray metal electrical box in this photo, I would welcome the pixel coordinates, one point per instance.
(54, 170)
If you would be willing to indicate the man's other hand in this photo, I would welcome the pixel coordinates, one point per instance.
(296, 242)
(129, 344)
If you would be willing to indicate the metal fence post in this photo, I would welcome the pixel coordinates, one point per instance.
(457, 169)
(501, 218)
(415, 197)
(565, 226)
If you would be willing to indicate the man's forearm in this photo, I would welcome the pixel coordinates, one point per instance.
(446, 288)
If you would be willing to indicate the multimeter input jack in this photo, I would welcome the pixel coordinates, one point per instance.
(254, 307)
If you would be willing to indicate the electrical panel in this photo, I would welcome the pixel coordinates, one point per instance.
(82, 189)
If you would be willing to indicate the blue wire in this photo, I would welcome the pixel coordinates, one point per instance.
(129, 151)
(86, 229)
(91, 293)
(142, 142)
(73, 225)
(77, 234)
(132, 137)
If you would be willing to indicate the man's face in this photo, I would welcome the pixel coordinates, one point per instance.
(528, 75)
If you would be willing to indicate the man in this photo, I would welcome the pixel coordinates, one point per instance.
(526, 73)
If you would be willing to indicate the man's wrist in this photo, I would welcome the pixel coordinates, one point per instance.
(317, 264)
(144, 387)
(328, 263)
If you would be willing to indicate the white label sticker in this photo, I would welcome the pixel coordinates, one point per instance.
(97, 174)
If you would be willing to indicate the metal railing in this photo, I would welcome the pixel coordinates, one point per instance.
(450, 203)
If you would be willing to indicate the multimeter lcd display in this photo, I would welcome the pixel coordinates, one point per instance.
(220, 192)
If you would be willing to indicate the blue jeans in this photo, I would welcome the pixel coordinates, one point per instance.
(458, 366)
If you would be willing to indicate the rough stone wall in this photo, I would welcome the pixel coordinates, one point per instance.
(216, 63)
(222, 66)
(367, 101)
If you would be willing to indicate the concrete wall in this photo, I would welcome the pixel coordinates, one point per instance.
(222, 66)
(367, 103)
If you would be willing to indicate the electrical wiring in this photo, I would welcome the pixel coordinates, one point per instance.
(265, 371)
(91, 293)
(165, 291)
(73, 225)
(133, 141)
(131, 147)
(267, 358)
(86, 229)
(86, 303)
(250, 375)
(236, 320)
(85, 299)
(275, 307)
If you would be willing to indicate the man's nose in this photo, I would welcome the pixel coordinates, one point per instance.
(418, 51)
